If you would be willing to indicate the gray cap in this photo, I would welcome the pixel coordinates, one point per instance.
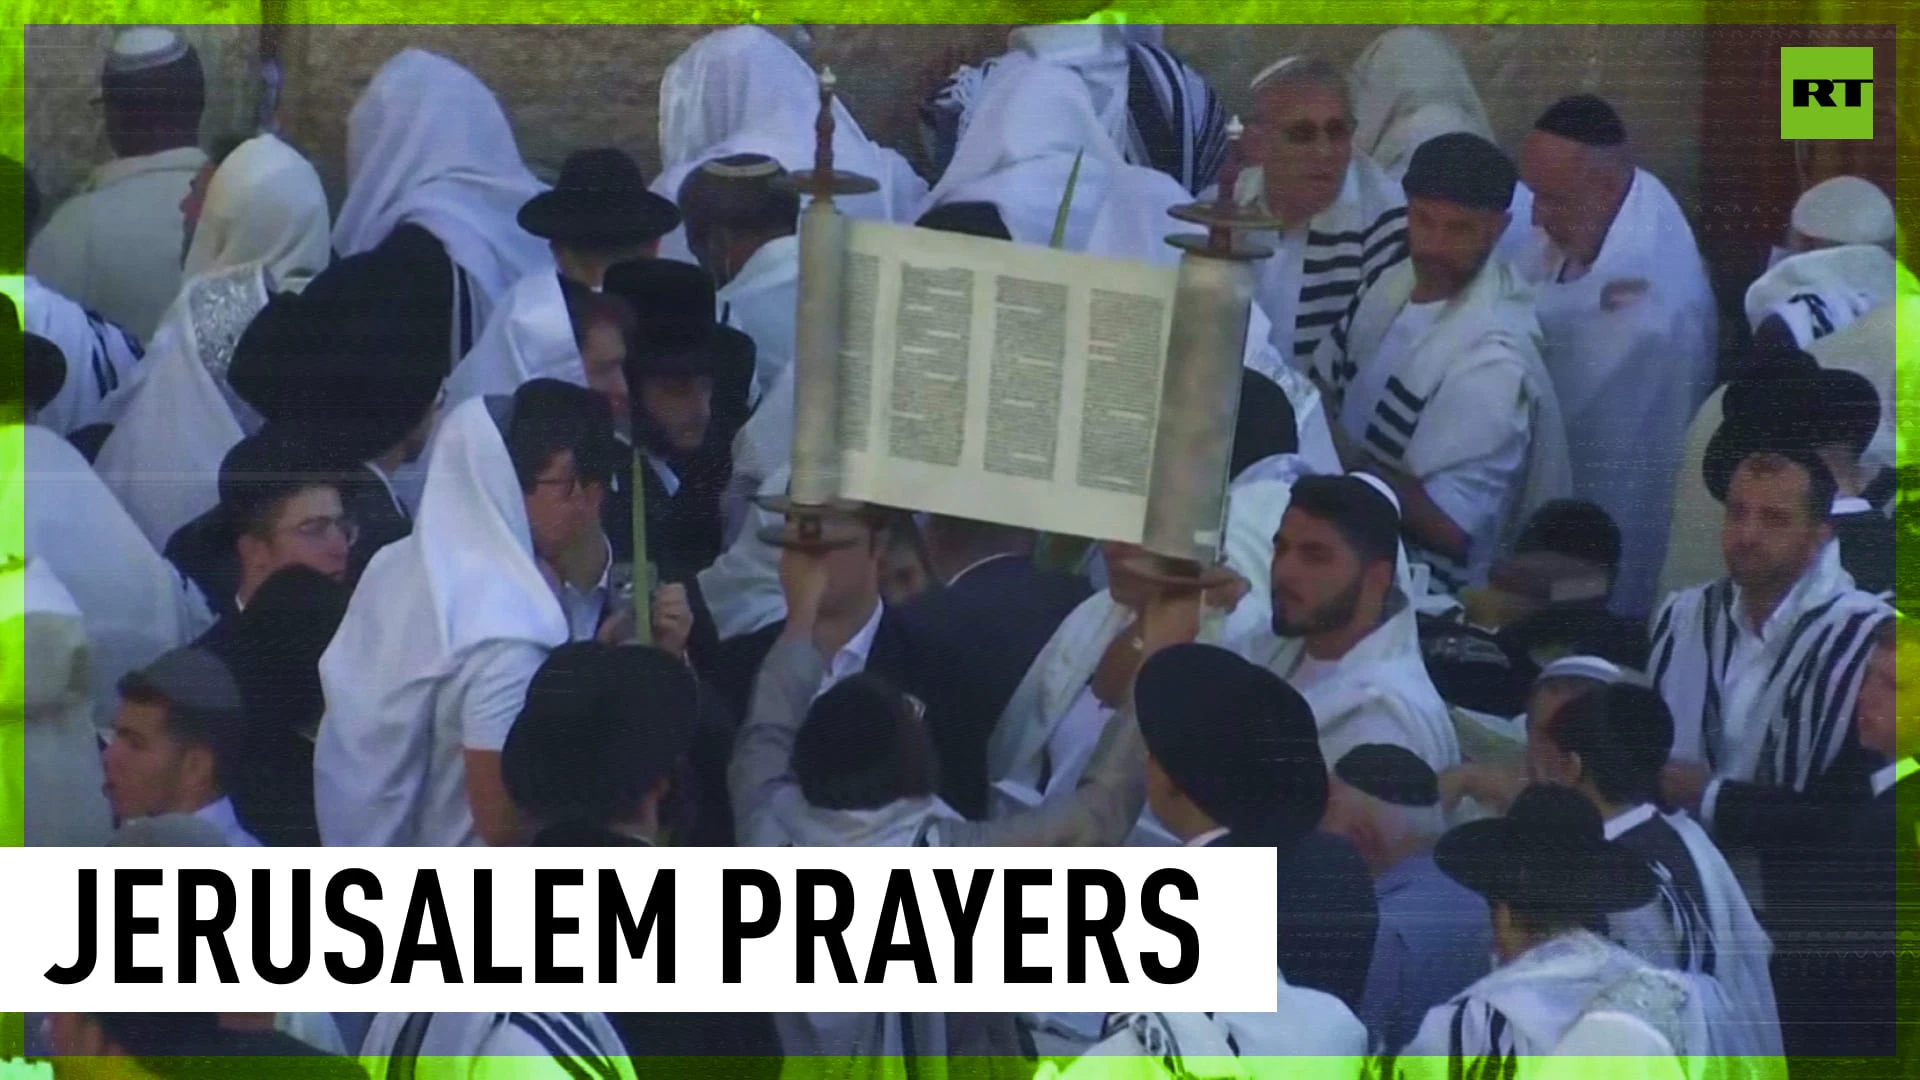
(143, 48)
(195, 679)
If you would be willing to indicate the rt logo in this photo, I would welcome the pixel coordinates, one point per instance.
(1826, 93)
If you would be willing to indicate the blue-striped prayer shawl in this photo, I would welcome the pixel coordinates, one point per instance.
(1783, 718)
(1348, 246)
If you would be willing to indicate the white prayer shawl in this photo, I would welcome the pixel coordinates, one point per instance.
(61, 760)
(114, 247)
(744, 91)
(470, 1046)
(762, 302)
(742, 587)
(263, 229)
(1379, 692)
(100, 357)
(264, 205)
(1017, 749)
(1488, 325)
(465, 579)
(529, 336)
(1629, 379)
(1865, 346)
(1309, 283)
(1096, 53)
(1743, 953)
(1522, 1010)
(1410, 86)
(428, 145)
(134, 603)
(1029, 126)
(1817, 292)
(1309, 1036)
(1783, 718)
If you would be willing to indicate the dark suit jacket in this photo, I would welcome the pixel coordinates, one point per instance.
(1328, 916)
(963, 649)
(366, 500)
(683, 529)
(1810, 874)
(1866, 548)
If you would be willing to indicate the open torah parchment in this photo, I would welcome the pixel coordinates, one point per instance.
(1000, 382)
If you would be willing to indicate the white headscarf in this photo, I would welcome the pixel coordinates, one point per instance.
(1409, 86)
(61, 749)
(742, 90)
(427, 144)
(465, 578)
(1029, 124)
(264, 205)
(529, 336)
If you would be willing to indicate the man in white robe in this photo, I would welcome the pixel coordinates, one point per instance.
(135, 605)
(260, 229)
(1155, 107)
(1866, 346)
(742, 90)
(97, 355)
(1836, 267)
(430, 666)
(1345, 217)
(1411, 85)
(429, 150)
(1343, 630)
(1435, 373)
(115, 246)
(741, 215)
(1630, 323)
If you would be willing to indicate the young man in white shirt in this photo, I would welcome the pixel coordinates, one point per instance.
(180, 721)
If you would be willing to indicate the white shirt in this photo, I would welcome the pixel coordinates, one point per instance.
(1628, 819)
(115, 247)
(1893, 773)
(219, 814)
(1207, 837)
(851, 659)
(585, 608)
(1748, 648)
(1363, 397)
(761, 301)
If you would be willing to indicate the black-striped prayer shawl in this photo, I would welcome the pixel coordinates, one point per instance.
(1809, 675)
(1349, 245)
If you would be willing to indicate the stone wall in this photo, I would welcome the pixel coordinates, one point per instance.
(570, 86)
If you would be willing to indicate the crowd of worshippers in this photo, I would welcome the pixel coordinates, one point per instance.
(1558, 666)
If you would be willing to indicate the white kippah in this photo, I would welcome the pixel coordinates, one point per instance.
(1845, 210)
(1583, 667)
(1380, 486)
(146, 47)
(1275, 68)
(748, 170)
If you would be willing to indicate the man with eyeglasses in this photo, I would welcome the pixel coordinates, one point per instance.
(1345, 219)
(280, 506)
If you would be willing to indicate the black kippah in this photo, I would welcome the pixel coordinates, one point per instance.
(1584, 118)
(1461, 168)
(1392, 774)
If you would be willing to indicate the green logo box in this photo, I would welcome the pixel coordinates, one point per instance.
(1826, 93)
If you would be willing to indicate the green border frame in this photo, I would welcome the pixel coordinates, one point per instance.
(1357, 12)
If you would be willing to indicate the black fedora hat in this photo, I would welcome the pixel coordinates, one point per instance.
(1550, 851)
(600, 201)
(677, 332)
(1798, 409)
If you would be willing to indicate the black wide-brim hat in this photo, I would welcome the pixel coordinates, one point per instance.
(1550, 851)
(676, 328)
(1799, 410)
(600, 201)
